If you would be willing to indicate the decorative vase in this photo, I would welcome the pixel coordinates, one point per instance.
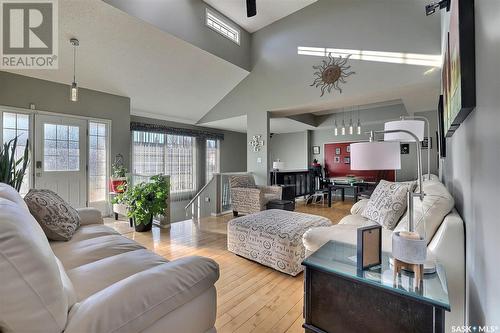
(118, 184)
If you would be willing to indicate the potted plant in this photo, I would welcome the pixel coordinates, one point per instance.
(12, 171)
(145, 200)
(119, 176)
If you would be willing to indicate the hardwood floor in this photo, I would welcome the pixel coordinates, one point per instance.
(250, 297)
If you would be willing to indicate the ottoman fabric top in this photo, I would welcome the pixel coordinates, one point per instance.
(273, 237)
(289, 226)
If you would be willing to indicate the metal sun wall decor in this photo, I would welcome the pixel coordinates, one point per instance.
(256, 143)
(332, 71)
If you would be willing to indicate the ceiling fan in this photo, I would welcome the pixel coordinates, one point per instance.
(251, 8)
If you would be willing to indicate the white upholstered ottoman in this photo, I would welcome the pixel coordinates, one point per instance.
(273, 238)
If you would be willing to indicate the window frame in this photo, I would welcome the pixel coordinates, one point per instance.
(212, 16)
(217, 158)
(107, 124)
(164, 147)
(29, 113)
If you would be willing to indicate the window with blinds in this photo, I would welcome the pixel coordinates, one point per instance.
(212, 158)
(174, 155)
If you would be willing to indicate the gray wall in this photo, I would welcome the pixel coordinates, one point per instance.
(290, 148)
(232, 152)
(471, 172)
(20, 91)
(186, 19)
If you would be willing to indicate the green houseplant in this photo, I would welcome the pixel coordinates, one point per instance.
(119, 175)
(145, 200)
(12, 171)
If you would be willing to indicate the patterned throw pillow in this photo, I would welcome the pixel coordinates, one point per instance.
(57, 218)
(387, 203)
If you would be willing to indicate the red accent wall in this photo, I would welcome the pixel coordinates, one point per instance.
(342, 169)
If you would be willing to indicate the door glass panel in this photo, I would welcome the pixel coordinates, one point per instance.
(98, 162)
(17, 125)
(61, 148)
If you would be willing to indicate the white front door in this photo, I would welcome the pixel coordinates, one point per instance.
(61, 157)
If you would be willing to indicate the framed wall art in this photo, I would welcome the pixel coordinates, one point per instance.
(458, 76)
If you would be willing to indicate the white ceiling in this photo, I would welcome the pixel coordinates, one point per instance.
(276, 125)
(268, 11)
(164, 76)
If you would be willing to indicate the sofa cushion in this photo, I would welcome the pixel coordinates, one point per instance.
(97, 275)
(69, 289)
(138, 301)
(387, 203)
(315, 238)
(10, 193)
(359, 207)
(77, 253)
(29, 273)
(57, 218)
(356, 220)
(430, 212)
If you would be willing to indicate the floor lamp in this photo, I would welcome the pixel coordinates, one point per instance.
(409, 249)
(414, 124)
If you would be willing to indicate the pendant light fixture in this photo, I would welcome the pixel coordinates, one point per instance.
(351, 127)
(358, 129)
(343, 123)
(74, 85)
(336, 129)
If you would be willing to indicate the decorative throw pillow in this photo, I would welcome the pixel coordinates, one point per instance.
(387, 203)
(57, 218)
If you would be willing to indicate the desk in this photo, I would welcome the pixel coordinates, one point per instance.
(336, 187)
(339, 298)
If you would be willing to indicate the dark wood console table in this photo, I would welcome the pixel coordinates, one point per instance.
(340, 299)
(303, 180)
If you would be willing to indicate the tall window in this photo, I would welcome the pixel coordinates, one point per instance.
(98, 162)
(174, 155)
(17, 125)
(212, 165)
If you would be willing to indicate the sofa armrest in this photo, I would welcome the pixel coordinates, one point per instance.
(89, 216)
(359, 206)
(135, 303)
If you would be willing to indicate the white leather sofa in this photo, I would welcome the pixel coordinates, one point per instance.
(99, 281)
(444, 231)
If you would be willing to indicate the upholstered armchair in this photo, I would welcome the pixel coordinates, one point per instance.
(248, 198)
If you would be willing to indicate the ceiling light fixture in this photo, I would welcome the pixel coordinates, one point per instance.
(343, 123)
(351, 127)
(358, 129)
(336, 129)
(74, 85)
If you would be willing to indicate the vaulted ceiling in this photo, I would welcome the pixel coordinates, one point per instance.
(268, 11)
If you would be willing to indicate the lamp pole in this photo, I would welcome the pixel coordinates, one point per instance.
(411, 195)
(427, 124)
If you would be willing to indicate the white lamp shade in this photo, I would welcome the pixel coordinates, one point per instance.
(375, 156)
(278, 165)
(414, 126)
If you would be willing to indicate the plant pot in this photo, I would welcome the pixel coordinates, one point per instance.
(118, 184)
(143, 227)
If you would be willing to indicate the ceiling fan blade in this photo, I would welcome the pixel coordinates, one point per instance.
(251, 8)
